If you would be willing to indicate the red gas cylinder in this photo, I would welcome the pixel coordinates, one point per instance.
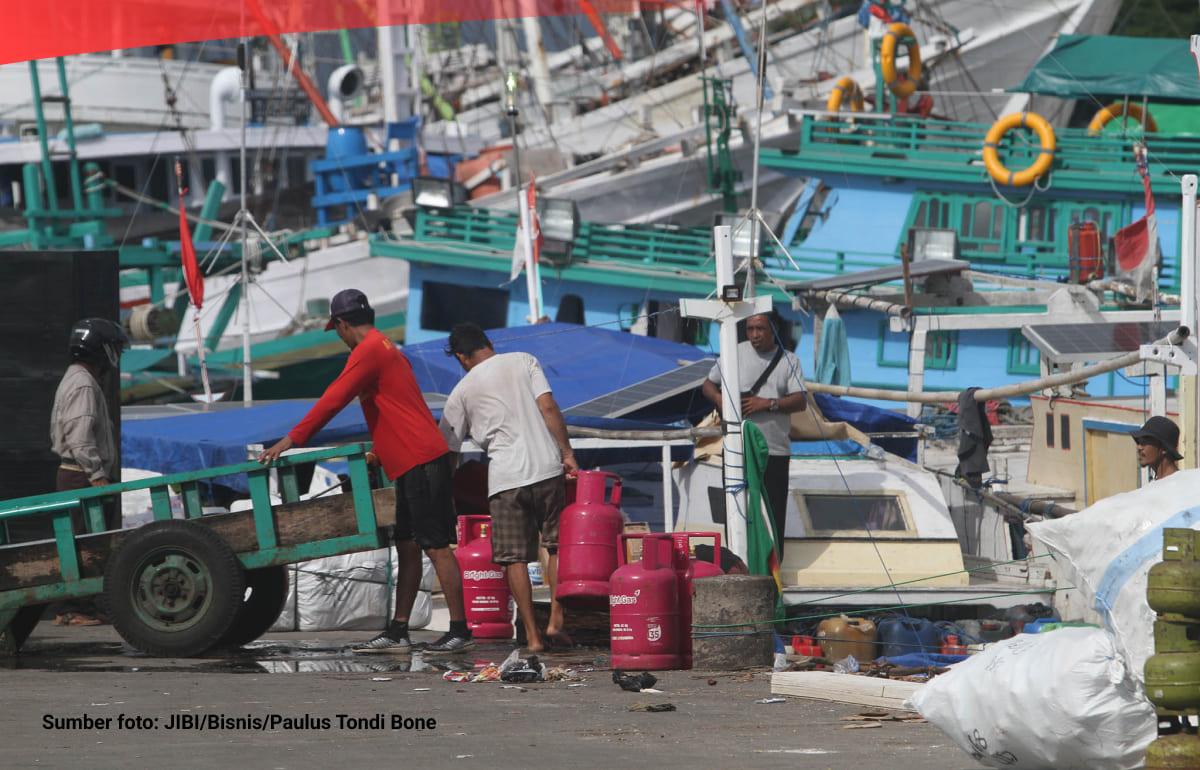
(485, 589)
(587, 536)
(687, 569)
(644, 608)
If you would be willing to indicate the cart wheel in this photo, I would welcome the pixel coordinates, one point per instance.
(268, 593)
(20, 627)
(173, 588)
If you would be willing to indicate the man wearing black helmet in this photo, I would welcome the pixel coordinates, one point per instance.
(1158, 447)
(81, 430)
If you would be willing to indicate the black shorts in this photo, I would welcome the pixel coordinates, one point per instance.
(425, 505)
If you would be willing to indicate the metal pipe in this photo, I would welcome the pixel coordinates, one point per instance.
(1007, 391)
(69, 127)
(40, 117)
(675, 434)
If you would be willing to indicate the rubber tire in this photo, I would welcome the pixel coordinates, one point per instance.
(225, 575)
(259, 611)
(23, 623)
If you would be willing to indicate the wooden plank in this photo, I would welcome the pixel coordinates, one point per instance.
(844, 688)
(25, 565)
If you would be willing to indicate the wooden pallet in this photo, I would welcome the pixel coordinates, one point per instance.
(844, 688)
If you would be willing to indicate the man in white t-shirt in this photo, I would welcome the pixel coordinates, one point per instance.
(504, 405)
(771, 385)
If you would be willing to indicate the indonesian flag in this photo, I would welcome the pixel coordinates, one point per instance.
(1136, 245)
(187, 252)
(518, 259)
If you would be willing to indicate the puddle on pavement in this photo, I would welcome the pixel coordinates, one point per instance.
(266, 657)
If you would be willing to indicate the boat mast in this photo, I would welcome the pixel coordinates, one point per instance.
(242, 216)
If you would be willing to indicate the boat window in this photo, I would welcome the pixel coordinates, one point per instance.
(840, 513)
(1023, 356)
(982, 220)
(1064, 433)
(1049, 430)
(941, 350)
(570, 309)
(445, 304)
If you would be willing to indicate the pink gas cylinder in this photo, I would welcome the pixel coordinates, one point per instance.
(686, 570)
(644, 608)
(485, 589)
(587, 536)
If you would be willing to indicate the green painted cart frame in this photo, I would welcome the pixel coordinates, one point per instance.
(263, 549)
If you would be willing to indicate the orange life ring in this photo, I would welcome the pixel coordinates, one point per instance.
(902, 87)
(846, 90)
(1116, 110)
(991, 158)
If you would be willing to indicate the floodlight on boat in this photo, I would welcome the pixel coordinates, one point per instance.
(932, 243)
(512, 82)
(430, 192)
(558, 219)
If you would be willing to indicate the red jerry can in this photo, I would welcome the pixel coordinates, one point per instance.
(485, 589)
(644, 608)
(686, 570)
(587, 536)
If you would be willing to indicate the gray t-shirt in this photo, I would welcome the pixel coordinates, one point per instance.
(495, 405)
(784, 380)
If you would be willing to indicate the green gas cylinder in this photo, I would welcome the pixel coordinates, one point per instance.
(1173, 587)
(1173, 752)
(1173, 680)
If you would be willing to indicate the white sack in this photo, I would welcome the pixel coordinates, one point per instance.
(1107, 549)
(1060, 700)
(354, 591)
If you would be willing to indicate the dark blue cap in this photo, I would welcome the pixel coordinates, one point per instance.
(346, 301)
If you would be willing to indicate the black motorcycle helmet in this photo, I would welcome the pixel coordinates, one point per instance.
(97, 341)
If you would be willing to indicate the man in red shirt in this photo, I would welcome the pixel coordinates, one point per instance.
(411, 450)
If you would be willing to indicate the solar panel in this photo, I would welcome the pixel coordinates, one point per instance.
(641, 394)
(1067, 343)
(919, 269)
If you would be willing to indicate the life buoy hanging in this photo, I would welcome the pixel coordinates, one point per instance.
(1116, 110)
(902, 87)
(991, 142)
(847, 91)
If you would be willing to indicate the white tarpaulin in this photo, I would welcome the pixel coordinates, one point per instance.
(1059, 700)
(1107, 549)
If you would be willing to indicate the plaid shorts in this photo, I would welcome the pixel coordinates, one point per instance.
(520, 515)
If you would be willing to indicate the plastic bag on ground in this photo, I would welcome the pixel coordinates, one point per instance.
(1061, 700)
(1106, 550)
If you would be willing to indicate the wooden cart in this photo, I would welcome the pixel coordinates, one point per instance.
(178, 587)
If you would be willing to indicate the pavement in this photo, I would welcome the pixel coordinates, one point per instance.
(398, 710)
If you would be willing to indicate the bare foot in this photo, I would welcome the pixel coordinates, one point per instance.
(558, 640)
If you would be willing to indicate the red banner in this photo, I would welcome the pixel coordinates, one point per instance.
(37, 29)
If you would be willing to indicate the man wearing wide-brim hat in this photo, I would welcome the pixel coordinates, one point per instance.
(1158, 446)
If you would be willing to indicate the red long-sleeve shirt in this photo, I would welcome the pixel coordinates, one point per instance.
(401, 426)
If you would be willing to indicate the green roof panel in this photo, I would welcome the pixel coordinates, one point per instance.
(1109, 66)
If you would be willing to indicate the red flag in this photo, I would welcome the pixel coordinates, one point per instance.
(1136, 244)
(187, 252)
(535, 226)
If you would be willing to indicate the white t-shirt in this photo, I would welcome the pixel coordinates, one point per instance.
(495, 405)
(784, 380)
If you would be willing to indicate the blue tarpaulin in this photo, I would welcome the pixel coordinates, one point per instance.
(581, 364)
(872, 419)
